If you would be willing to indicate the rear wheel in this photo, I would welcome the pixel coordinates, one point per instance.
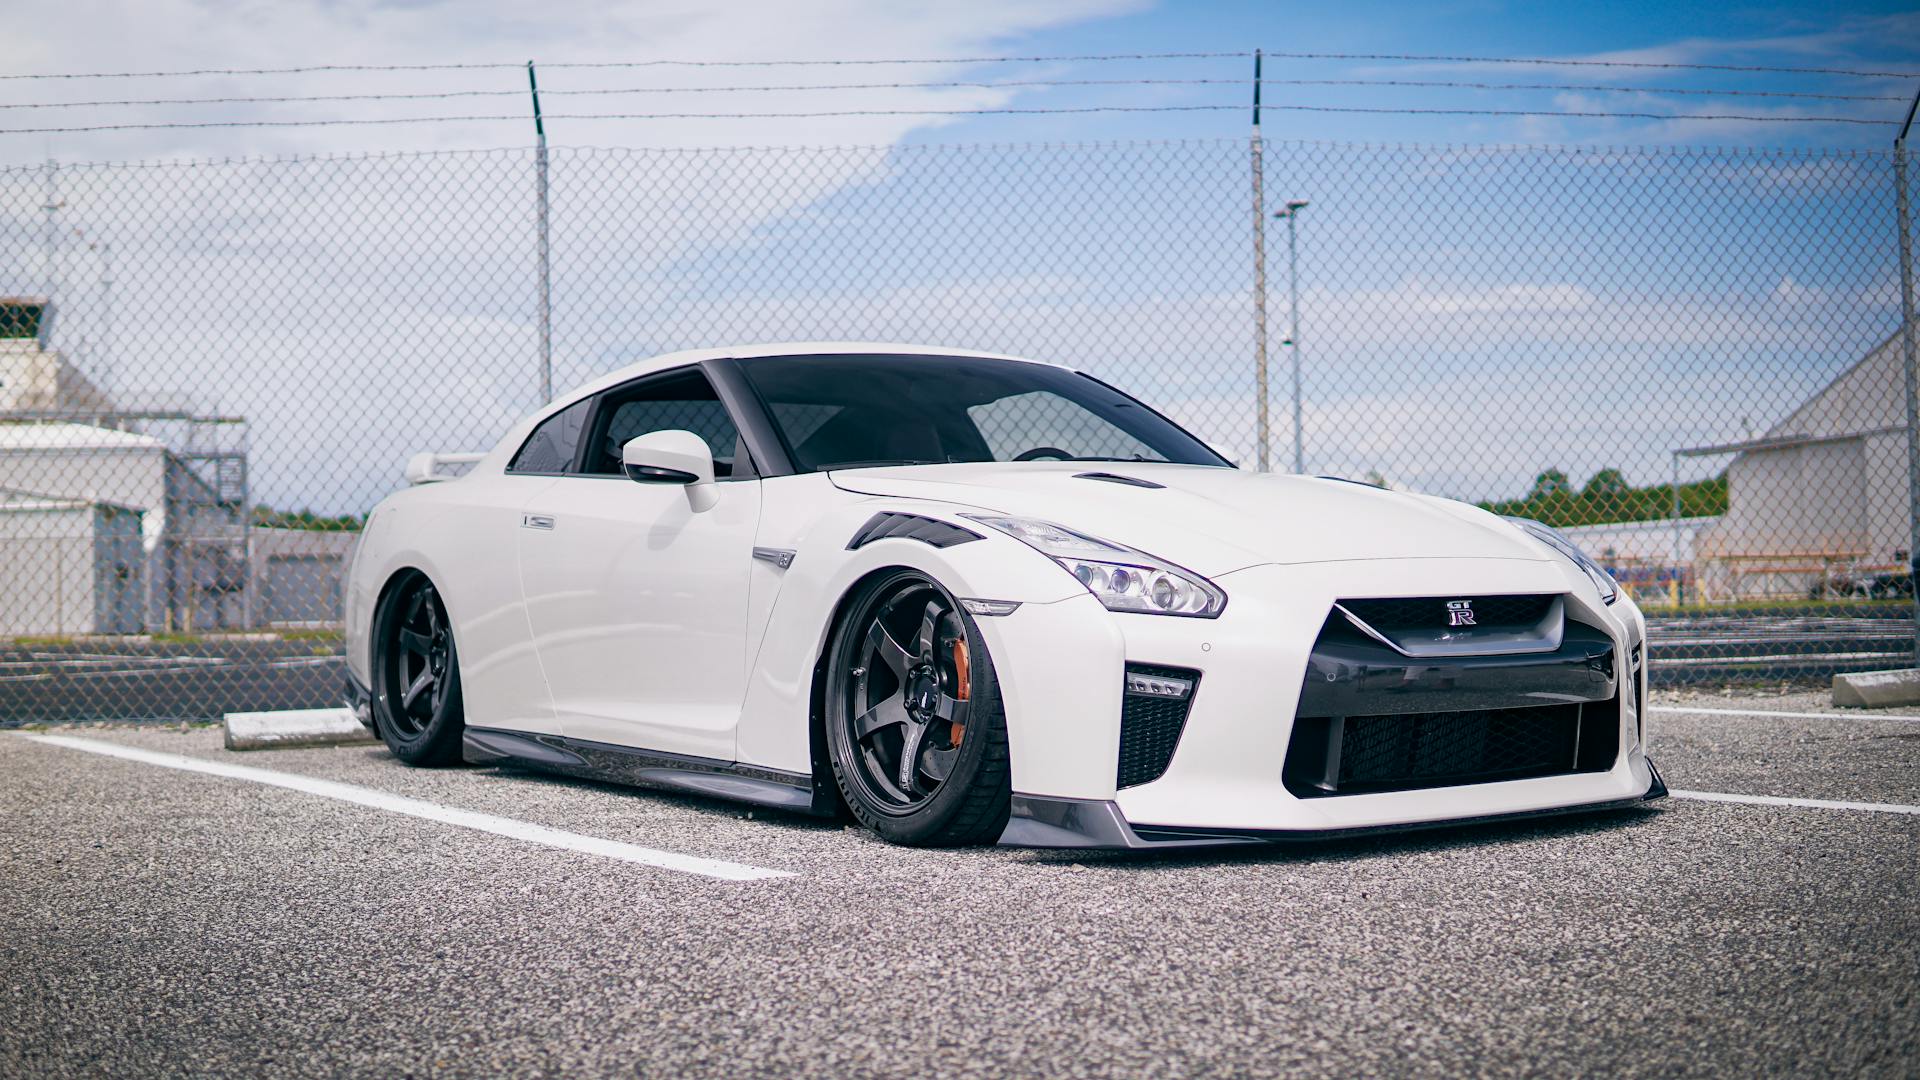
(915, 725)
(416, 675)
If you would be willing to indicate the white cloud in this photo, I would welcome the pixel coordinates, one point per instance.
(54, 36)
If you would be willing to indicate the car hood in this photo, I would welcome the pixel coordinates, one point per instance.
(1211, 520)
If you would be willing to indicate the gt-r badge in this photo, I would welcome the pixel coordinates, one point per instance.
(1460, 613)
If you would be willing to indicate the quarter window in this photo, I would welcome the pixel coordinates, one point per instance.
(551, 447)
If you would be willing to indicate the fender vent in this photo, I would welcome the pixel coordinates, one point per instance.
(927, 530)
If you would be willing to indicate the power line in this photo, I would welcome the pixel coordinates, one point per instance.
(482, 66)
(944, 112)
(441, 95)
(1544, 61)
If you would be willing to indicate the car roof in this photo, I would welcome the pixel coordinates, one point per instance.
(668, 361)
(496, 458)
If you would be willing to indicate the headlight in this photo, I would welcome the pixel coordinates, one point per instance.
(1123, 579)
(1609, 589)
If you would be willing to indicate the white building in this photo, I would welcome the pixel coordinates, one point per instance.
(1823, 491)
(69, 566)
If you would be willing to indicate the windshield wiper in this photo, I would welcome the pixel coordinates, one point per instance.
(874, 463)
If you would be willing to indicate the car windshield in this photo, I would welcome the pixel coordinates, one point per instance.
(843, 412)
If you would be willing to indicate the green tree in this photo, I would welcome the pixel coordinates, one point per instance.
(1550, 483)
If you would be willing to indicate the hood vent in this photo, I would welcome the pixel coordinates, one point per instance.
(1116, 478)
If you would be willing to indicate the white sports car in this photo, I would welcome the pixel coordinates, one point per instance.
(974, 598)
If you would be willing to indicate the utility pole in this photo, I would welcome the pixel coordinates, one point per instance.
(1259, 273)
(1907, 354)
(540, 226)
(1292, 213)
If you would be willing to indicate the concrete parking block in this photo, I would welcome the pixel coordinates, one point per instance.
(1877, 689)
(295, 727)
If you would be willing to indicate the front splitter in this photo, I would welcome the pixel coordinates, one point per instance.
(1043, 822)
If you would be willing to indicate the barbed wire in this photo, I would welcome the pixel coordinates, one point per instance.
(1551, 62)
(1584, 114)
(1588, 88)
(441, 95)
(610, 64)
(374, 121)
(807, 115)
(869, 62)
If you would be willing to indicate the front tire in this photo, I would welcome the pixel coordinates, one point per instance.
(915, 725)
(416, 675)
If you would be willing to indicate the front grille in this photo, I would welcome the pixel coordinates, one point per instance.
(1361, 754)
(1150, 726)
(1421, 613)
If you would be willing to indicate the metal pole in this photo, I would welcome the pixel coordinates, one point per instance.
(1293, 336)
(540, 226)
(106, 318)
(1259, 274)
(1679, 559)
(51, 239)
(1907, 354)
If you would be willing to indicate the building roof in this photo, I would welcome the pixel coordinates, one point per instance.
(63, 436)
(14, 500)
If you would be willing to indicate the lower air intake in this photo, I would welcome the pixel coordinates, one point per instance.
(1364, 754)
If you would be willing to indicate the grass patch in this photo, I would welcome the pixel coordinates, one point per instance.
(47, 639)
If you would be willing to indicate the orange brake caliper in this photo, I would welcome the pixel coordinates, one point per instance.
(962, 681)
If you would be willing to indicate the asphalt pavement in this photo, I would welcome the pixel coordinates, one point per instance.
(168, 921)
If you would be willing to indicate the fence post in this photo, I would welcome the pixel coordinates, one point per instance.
(540, 227)
(1907, 355)
(1259, 272)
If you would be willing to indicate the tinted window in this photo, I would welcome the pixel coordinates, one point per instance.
(682, 401)
(846, 411)
(551, 447)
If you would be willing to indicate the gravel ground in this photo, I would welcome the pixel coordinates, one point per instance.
(163, 922)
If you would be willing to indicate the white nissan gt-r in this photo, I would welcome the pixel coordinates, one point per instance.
(976, 598)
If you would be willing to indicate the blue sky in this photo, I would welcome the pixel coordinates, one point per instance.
(1470, 317)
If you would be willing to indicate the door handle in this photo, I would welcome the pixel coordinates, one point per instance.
(536, 521)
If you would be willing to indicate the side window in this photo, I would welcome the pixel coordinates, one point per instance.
(682, 401)
(551, 447)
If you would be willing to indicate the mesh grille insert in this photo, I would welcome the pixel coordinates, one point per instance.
(1150, 727)
(1363, 754)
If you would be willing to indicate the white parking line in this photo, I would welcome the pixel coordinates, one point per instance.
(1785, 715)
(1817, 804)
(466, 819)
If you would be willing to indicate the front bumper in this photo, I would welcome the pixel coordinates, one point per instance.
(1040, 822)
(1261, 684)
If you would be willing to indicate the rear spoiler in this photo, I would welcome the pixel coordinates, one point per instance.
(426, 468)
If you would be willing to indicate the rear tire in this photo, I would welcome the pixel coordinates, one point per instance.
(417, 707)
(916, 729)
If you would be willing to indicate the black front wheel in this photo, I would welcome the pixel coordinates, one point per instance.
(915, 725)
(416, 675)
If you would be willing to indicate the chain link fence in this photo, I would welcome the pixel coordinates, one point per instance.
(1685, 358)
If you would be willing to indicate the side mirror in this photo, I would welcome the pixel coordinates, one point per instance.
(672, 457)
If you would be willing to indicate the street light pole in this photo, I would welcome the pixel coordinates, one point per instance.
(1292, 213)
(1909, 364)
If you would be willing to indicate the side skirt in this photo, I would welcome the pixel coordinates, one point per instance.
(646, 768)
